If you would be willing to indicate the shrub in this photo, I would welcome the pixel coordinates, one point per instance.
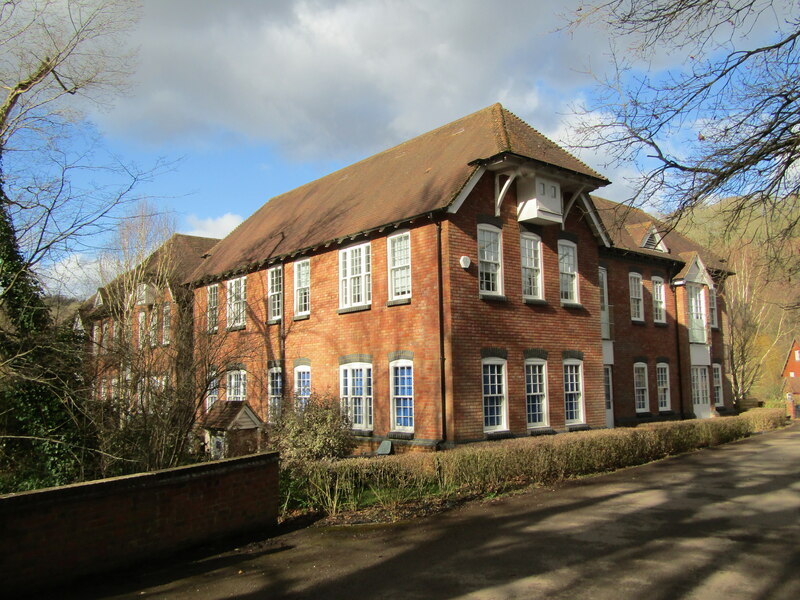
(488, 467)
(314, 430)
(764, 419)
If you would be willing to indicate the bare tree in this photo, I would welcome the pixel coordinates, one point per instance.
(757, 323)
(55, 58)
(154, 361)
(724, 122)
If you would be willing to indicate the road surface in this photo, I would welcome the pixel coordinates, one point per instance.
(718, 523)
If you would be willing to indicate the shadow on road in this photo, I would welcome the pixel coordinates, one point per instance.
(722, 522)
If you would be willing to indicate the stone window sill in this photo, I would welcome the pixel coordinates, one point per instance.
(399, 302)
(353, 309)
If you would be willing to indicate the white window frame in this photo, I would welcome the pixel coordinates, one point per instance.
(716, 378)
(605, 308)
(275, 293)
(568, 272)
(490, 265)
(401, 400)
(166, 323)
(659, 300)
(212, 394)
(399, 267)
(236, 388)
(212, 307)
(713, 313)
(579, 410)
(663, 387)
(498, 419)
(608, 386)
(355, 288)
(700, 386)
(274, 394)
(530, 246)
(236, 301)
(152, 327)
(142, 320)
(636, 293)
(797, 355)
(357, 407)
(536, 393)
(302, 390)
(104, 345)
(302, 287)
(641, 392)
(697, 313)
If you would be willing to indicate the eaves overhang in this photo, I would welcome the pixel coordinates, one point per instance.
(259, 265)
(509, 159)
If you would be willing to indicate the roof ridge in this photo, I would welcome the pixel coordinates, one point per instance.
(505, 140)
(556, 145)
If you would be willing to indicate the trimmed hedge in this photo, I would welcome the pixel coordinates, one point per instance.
(490, 467)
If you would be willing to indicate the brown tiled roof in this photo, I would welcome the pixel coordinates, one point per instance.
(223, 414)
(627, 227)
(418, 176)
(182, 252)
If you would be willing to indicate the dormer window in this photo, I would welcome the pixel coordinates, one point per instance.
(654, 241)
(539, 201)
(145, 294)
(549, 191)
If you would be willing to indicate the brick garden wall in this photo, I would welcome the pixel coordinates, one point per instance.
(49, 537)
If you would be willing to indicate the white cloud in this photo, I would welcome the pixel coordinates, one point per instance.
(75, 276)
(342, 79)
(214, 227)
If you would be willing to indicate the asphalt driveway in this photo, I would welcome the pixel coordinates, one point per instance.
(718, 523)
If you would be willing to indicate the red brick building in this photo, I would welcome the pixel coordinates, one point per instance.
(465, 285)
(791, 372)
(140, 326)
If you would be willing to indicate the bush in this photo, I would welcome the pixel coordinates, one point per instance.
(764, 419)
(314, 430)
(488, 467)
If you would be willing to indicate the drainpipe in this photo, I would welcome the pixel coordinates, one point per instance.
(443, 390)
(678, 348)
(282, 334)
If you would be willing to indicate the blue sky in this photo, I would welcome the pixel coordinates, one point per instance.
(255, 98)
(248, 98)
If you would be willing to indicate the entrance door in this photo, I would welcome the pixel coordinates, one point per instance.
(609, 393)
(701, 401)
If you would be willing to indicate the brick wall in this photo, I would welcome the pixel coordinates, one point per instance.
(514, 326)
(326, 335)
(644, 341)
(52, 536)
(651, 343)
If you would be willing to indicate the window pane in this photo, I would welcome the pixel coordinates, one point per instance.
(535, 393)
(493, 396)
